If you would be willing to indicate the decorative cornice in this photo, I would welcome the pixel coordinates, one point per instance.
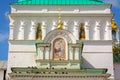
(17, 75)
(50, 14)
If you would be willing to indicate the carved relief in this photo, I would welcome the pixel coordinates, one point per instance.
(56, 33)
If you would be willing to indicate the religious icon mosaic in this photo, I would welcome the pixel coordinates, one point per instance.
(59, 49)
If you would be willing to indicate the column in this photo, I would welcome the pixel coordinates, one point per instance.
(38, 53)
(32, 32)
(71, 53)
(41, 52)
(43, 30)
(76, 30)
(76, 53)
(87, 30)
(54, 25)
(65, 25)
(21, 31)
(47, 49)
(11, 31)
(97, 31)
(108, 29)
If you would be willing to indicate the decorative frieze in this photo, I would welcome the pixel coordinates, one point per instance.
(22, 27)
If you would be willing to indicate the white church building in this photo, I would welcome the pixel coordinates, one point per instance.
(60, 40)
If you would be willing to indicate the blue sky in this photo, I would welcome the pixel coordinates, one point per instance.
(4, 23)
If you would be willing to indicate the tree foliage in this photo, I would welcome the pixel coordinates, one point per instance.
(116, 49)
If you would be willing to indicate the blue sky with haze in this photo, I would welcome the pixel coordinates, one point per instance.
(4, 22)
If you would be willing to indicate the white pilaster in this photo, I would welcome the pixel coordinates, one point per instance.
(32, 32)
(76, 53)
(47, 53)
(65, 25)
(76, 30)
(87, 30)
(41, 52)
(11, 31)
(97, 31)
(20, 35)
(54, 25)
(108, 34)
(43, 30)
(38, 53)
(71, 54)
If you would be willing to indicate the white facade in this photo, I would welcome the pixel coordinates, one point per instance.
(97, 51)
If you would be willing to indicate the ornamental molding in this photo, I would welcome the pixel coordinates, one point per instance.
(59, 33)
(63, 14)
(91, 76)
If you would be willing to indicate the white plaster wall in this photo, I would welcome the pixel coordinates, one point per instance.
(98, 54)
(1, 74)
(117, 71)
(21, 60)
(21, 54)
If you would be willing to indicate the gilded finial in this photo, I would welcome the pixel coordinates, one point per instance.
(60, 23)
(113, 24)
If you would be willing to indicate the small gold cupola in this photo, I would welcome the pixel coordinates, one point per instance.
(60, 23)
(113, 24)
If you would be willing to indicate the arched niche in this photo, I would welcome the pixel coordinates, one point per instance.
(56, 36)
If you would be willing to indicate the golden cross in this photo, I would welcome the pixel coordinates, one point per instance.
(59, 14)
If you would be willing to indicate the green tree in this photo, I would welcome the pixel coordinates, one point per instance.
(116, 49)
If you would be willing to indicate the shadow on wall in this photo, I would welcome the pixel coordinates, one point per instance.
(86, 64)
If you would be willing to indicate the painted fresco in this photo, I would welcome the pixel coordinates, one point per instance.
(59, 49)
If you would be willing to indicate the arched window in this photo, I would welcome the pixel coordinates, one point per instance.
(39, 31)
(82, 32)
